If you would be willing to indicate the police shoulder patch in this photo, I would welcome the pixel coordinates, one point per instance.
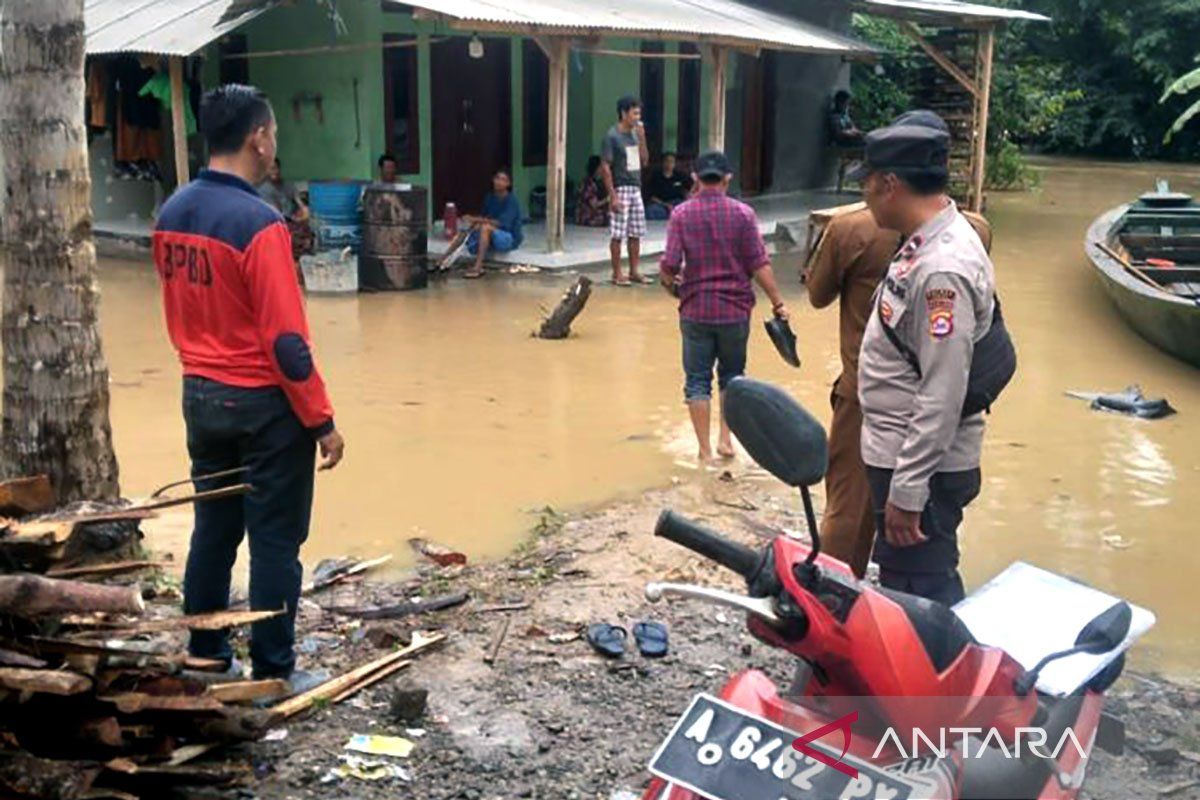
(885, 311)
(940, 296)
(941, 322)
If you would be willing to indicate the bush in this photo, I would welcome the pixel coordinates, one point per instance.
(1005, 168)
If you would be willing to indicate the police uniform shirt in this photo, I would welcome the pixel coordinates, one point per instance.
(937, 297)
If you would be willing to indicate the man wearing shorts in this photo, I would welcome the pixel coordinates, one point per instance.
(623, 152)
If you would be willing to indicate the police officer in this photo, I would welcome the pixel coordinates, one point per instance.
(935, 302)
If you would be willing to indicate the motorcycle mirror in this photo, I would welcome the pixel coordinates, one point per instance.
(1106, 631)
(776, 431)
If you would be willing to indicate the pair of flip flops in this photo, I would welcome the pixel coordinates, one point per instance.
(609, 640)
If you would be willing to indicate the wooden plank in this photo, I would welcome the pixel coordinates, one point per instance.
(136, 702)
(242, 691)
(556, 143)
(11, 658)
(939, 58)
(718, 57)
(370, 680)
(189, 752)
(332, 688)
(44, 681)
(214, 621)
(26, 595)
(403, 609)
(178, 125)
(105, 570)
(21, 496)
(987, 39)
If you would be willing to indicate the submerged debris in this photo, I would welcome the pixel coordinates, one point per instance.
(1130, 401)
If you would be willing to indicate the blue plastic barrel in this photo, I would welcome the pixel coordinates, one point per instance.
(334, 206)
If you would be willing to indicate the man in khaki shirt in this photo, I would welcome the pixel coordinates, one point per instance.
(847, 265)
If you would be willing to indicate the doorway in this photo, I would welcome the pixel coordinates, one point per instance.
(472, 120)
(758, 121)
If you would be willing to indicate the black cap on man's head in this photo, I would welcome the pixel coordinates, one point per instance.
(713, 164)
(923, 118)
(905, 150)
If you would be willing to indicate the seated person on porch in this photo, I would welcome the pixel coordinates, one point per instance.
(283, 196)
(499, 229)
(842, 130)
(388, 168)
(591, 209)
(668, 188)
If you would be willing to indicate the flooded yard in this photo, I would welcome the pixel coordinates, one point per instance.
(460, 425)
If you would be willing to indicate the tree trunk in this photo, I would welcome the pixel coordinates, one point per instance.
(55, 416)
(33, 596)
(558, 324)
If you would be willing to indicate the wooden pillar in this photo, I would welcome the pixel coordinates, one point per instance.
(557, 51)
(719, 58)
(983, 80)
(178, 126)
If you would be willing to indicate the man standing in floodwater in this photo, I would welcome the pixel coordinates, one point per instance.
(714, 255)
(935, 303)
(253, 399)
(623, 152)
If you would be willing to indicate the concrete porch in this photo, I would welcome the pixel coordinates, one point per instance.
(783, 219)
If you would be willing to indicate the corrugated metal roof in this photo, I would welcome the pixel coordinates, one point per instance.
(165, 27)
(945, 11)
(714, 20)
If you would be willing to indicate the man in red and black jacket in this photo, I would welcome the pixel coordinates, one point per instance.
(252, 395)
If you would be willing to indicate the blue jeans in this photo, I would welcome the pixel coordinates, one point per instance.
(708, 344)
(502, 242)
(230, 427)
(658, 211)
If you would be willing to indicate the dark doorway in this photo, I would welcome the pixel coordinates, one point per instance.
(758, 121)
(653, 70)
(234, 68)
(401, 120)
(472, 120)
(689, 102)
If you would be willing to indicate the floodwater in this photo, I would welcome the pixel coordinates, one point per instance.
(460, 426)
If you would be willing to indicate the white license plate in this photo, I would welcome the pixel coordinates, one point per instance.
(723, 753)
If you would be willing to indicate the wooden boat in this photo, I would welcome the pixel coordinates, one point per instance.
(1147, 256)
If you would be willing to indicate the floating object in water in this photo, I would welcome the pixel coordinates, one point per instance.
(1131, 401)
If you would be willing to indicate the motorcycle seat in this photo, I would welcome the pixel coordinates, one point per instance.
(940, 631)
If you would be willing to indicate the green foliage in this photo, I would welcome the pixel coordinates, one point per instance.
(1006, 169)
(1183, 85)
(1088, 82)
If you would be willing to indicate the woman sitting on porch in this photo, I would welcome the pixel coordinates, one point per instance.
(592, 206)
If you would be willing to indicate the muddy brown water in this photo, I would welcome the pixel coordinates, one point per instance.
(459, 425)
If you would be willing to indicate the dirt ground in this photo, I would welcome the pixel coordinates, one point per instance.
(554, 721)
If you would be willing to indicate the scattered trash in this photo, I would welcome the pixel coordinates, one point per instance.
(380, 745)
(439, 554)
(1131, 401)
(415, 733)
(713, 670)
(409, 705)
(523, 269)
(276, 735)
(623, 794)
(365, 769)
(722, 618)
(1116, 541)
(564, 638)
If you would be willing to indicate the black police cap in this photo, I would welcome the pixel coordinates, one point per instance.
(906, 150)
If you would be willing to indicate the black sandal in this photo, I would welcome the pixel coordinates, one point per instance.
(607, 640)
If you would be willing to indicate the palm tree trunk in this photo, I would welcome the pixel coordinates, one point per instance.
(55, 415)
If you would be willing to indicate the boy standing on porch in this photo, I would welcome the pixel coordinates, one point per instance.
(623, 152)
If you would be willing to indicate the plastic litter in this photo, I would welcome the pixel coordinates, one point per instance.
(380, 745)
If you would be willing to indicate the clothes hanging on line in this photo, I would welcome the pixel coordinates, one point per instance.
(159, 87)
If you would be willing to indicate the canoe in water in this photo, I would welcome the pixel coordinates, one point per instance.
(1147, 257)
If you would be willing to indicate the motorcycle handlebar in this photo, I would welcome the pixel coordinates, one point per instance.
(708, 543)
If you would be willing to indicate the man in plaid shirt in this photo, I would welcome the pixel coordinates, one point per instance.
(714, 251)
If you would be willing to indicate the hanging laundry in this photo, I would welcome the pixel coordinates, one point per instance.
(159, 87)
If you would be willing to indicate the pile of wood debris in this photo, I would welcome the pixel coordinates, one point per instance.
(98, 697)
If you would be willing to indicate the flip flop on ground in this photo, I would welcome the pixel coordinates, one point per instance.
(607, 640)
(651, 638)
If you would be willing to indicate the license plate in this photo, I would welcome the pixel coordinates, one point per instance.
(723, 753)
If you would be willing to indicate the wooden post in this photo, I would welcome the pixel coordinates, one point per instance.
(557, 50)
(719, 57)
(178, 126)
(983, 79)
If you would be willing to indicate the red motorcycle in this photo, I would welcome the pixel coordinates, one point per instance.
(883, 673)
